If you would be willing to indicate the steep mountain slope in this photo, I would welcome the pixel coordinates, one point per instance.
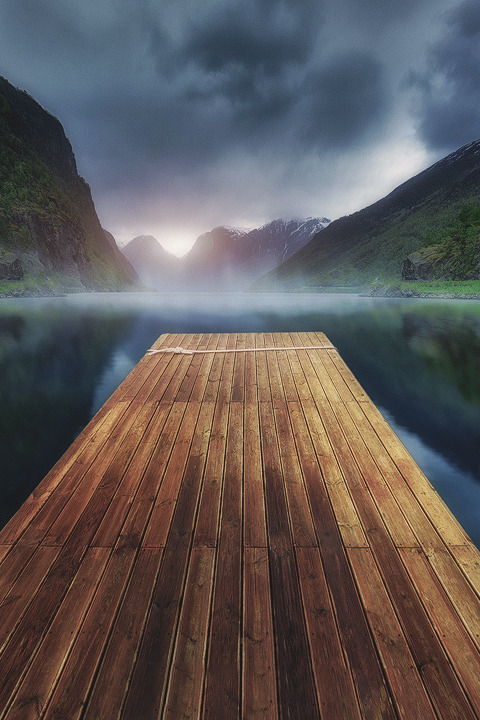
(375, 241)
(224, 259)
(50, 235)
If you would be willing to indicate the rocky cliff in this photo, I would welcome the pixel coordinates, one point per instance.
(50, 236)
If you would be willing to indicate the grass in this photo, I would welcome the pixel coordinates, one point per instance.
(453, 287)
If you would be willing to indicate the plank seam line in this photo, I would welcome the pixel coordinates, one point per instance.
(183, 351)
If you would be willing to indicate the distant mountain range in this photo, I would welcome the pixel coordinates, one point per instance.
(50, 237)
(374, 242)
(224, 259)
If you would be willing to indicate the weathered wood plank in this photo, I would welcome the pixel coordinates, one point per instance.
(370, 683)
(334, 682)
(146, 694)
(427, 651)
(238, 535)
(410, 696)
(185, 690)
(468, 558)
(35, 690)
(161, 516)
(259, 685)
(73, 686)
(223, 678)
(111, 682)
(444, 522)
(451, 635)
(296, 691)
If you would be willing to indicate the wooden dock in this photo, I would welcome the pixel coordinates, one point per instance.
(238, 533)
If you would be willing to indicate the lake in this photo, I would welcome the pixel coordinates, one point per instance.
(419, 360)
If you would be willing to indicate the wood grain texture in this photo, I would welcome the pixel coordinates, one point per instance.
(238, 535)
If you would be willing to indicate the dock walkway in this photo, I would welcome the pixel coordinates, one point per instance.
(238, 533)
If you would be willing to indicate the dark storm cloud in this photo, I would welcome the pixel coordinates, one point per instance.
(187, 105)
(344, 100)
(449, 91)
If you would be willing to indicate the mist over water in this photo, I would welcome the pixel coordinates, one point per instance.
(419, 361)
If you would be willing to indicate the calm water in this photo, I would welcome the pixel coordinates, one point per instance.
(61, 358)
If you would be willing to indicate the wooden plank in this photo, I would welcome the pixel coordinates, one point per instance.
(254, 530)
(250, 372)
(215, 374)
(263, 382)
(160, 519)
(468, 558)
(201, 379)
(425, 533)
(362, 657)
(301, 385)
(111, 682)
(146, 694)
(150, 477)
(288, 382)
(320, 390)
(345, 512)
(12, 565)
(457, 644)
(303, 531)
(259, 697)
(296, 691)
(104, 474)
(32, 696)
(152, 368)
(188, 382)
(185, 691)
(276, 386)
(280, 581)
(208, 514)
(428, 653)
(223, 679)
(446, 525)
(324, 365)
(463, 598)
(147, 367)
(72, 689)
(34, 624)
(206, 532)
(411, 698)
(370, 482)
(333, 679)
(225, 387)
(16, 601)
(117, 521)
(238, 382)
(350, 380)
(182, 374)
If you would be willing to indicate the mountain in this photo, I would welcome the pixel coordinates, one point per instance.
(224, 259)
(374, 242)
(155, 266)
(50, 236)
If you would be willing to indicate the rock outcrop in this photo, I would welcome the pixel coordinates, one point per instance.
(10, 267)
(428, 263)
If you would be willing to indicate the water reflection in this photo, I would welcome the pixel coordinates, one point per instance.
(420, 361)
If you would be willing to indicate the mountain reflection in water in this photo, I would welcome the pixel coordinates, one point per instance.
(419, 360)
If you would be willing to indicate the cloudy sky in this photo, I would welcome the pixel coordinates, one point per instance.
(188, 114)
